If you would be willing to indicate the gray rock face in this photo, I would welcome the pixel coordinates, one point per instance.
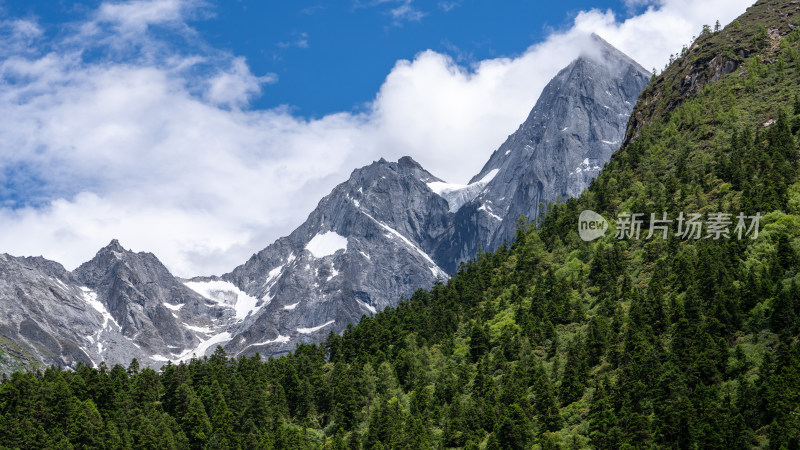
(575, 126)
(48, 317)
(399, 226)
(118, 306)
(365, 246)
(153, 309)
(390, 229)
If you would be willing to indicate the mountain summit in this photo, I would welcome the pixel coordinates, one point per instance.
(390, 229)
(575, 126)
(393, 228)
(364, 247)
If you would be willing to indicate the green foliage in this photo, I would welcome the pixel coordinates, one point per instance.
(548, 342)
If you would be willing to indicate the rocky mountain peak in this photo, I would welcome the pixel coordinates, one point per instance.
(578, 121)
(603, 52)
(366, 245)
(408, 161)
(115, 245)
(151, 307)
(390, 229)
(113, 254)
(370, 185)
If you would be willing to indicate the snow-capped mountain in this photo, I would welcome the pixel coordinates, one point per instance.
(387, 231)
(156, 311)
(118, 306)
(577, 123)
(393, 227)
(365, 246)
(49, 317)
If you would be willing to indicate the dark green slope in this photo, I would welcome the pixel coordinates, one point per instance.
(551, 341)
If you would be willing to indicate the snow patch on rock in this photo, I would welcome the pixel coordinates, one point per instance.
(198, 329)
(493, 215)
(333, 274)
(280, 339)
(326, 244)
(456, 195)
(226, 294)
(313, 329)
(367, 306)
(585, 166)
(90, 297)
(203, 346)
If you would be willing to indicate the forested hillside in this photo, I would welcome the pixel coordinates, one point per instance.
(550, 341)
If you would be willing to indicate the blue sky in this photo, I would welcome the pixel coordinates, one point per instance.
(334, 56)
(203, 130)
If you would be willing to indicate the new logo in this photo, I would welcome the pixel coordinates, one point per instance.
(591, 225)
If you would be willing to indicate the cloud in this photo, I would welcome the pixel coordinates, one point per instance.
(237, 85)
(461, 56)
(18, 36)
(640, 3)
(400, 11)
(311, 10)
(300, 41)
(136, 16)
(24, 29)
(155, 143)
(448, 6)
(652, 36)
(406, 12)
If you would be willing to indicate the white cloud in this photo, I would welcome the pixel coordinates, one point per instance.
(311, 10)
(406, 11)
(137, 15)
(25, 29)
(399, 10)
(652, 36)
(236, 86)
(18, 36)
(636, 3)
(448, 6)
(160, 149)
(300, 41)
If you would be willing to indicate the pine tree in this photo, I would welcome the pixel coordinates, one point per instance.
(603, 430)
(545, 406)
(513, 431)
(194, 419)
(478, 342)
(86, 428)
(576, 372)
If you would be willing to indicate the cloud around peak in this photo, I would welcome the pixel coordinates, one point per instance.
(114, 131)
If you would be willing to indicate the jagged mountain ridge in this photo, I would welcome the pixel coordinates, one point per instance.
(591, 99)
(118, 306)
(152, 307)
(364, 247)
(577, 123)
(47, 316)
(390, 229)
